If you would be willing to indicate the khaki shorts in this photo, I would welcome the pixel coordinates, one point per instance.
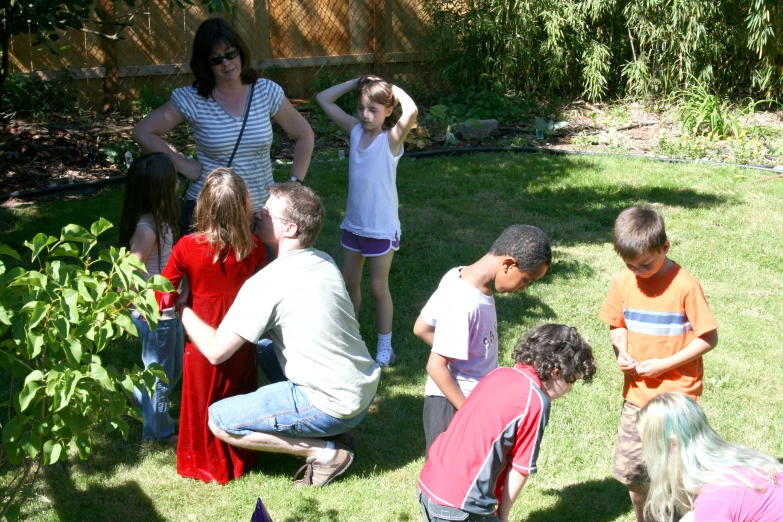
(628, 466)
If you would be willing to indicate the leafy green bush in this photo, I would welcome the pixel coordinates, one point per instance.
(702, 112)
(685, 147)
(148, 100)
(55, 320)
(605, 47)
(24, 98)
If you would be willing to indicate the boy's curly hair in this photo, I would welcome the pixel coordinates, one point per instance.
(551, 346)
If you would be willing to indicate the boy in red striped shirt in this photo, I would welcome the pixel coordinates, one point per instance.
(478, 466)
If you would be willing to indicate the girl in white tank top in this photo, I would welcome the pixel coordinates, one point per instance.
(149, 222)
(371, 228)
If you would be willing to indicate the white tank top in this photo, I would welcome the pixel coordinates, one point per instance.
(157, 259)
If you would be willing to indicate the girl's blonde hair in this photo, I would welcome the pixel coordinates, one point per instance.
(224, 213)
(379, 91)
(683, 454)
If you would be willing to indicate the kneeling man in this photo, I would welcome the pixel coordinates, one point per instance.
(323, 378)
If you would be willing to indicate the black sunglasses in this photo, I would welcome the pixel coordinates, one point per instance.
(218, 59)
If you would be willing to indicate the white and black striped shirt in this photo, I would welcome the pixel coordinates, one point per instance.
(215, 132)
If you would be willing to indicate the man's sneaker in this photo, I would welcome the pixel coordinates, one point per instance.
(322, 473)
(385, 355)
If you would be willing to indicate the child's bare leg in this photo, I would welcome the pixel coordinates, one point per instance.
(379, 288)
(384, 308)
(353, 263)
(638, 498)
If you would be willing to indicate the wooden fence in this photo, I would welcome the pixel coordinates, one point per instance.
(291, 40)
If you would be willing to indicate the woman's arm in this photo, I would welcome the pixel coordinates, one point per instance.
(148, 134)
(297, 128)
(326, 99)
(400, 131)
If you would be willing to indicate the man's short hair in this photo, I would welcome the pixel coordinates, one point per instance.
(637, 231)
(551, 346)
(528, 245)
(302, 207)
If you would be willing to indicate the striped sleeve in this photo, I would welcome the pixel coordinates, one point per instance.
(274, 94)
(183, 100)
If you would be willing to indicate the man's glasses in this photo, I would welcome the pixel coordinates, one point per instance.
(265, 211)
(218, 58)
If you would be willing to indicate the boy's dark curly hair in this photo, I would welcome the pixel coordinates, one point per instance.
(528, 245)
(551, 346)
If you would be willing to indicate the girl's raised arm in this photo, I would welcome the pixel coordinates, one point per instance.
(400, 131)
(326, 99)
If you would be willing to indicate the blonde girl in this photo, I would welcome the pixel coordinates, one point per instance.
(695, 473)
(147, 228)
(371, 228)
(216, 261)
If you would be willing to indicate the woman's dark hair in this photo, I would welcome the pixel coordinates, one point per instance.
(551, 346)
(210, 34)
(150, 188)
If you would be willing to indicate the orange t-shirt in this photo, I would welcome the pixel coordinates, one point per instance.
(662, 315)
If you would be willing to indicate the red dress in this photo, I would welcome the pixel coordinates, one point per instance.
(213, 288)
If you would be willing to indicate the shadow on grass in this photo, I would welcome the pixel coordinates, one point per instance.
(596, 501)
(97, 503)
(308, 509)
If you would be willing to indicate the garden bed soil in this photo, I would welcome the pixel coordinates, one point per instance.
(66, 149)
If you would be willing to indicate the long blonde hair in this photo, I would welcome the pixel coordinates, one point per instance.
(683, 454)
(224, 213)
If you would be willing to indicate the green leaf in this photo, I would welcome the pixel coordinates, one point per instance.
(13, 512)
(39, 311)
(31, 444)
(100, 226)
(13, 429)
(6, 250)
(52, 452)
(61, 326)
(105, 333)
(40, 241)
(31, 278)
(125, 323)
(4, 316)
(124, 430)
(76, 233)
(27, 395)
(70, 304)
(439, 111)
(98, 373)
(159, 283)
(127, 383)
(65, 250)
(83, 445)
(84, 292)
(35, 375)
(73, 351)
(35, 344)
(107, 301)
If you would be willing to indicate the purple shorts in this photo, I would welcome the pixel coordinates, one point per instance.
(368, 246)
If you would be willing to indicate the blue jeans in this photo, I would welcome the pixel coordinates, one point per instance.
(436, 513)
(280, 408)
(165, 346)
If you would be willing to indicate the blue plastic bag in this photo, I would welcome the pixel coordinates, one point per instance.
(260, 514)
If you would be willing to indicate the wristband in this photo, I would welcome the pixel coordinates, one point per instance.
(295, 179)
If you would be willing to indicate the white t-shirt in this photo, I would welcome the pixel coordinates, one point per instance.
(466, 331)
(372, 189)
(301, 301)
(215, 132)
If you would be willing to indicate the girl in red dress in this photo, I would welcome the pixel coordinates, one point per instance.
(216, 260)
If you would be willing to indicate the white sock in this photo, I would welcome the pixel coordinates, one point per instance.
(328, 453)
(384, 339)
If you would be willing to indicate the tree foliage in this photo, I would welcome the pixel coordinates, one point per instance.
(46, 20)
(55, 320)
(609, 47)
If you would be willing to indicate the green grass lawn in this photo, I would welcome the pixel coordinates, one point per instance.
(725, 231)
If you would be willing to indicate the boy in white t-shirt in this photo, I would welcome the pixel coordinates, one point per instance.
(460, 324)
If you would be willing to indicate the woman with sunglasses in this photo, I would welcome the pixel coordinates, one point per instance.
(226, 90)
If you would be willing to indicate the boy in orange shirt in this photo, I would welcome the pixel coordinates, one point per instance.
(660, 325)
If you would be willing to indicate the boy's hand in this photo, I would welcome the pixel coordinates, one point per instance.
(627, 364)
(652, 367)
